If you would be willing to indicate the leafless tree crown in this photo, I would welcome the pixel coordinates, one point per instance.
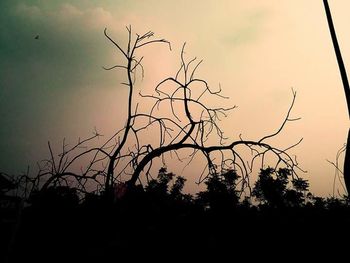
(184, 120)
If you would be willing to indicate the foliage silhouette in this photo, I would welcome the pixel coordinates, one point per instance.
(221, 192)
(276, 189)
(155, 219)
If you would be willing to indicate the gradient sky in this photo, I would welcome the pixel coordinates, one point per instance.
(54, 87)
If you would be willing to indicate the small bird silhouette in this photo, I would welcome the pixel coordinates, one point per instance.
(37, 37)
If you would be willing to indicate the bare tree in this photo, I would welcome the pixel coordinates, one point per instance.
(188, 124)
(346, 87)
(178, 120)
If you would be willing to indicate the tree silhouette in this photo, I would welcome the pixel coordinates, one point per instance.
(221, 193)
(346, 89)
(189, 123)
(276, 189)
(180, 118)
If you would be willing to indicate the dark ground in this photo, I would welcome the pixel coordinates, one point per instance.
(142, 228)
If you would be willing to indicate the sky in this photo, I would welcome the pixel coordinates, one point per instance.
(55, 87)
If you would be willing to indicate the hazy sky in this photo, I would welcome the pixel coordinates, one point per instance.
(55, 87)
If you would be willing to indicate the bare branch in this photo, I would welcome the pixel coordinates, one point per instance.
(115, 43)
(285, 120)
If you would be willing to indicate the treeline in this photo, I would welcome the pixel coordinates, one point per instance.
(160, 219)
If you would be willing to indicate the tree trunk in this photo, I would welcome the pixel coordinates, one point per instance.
(346, 90)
